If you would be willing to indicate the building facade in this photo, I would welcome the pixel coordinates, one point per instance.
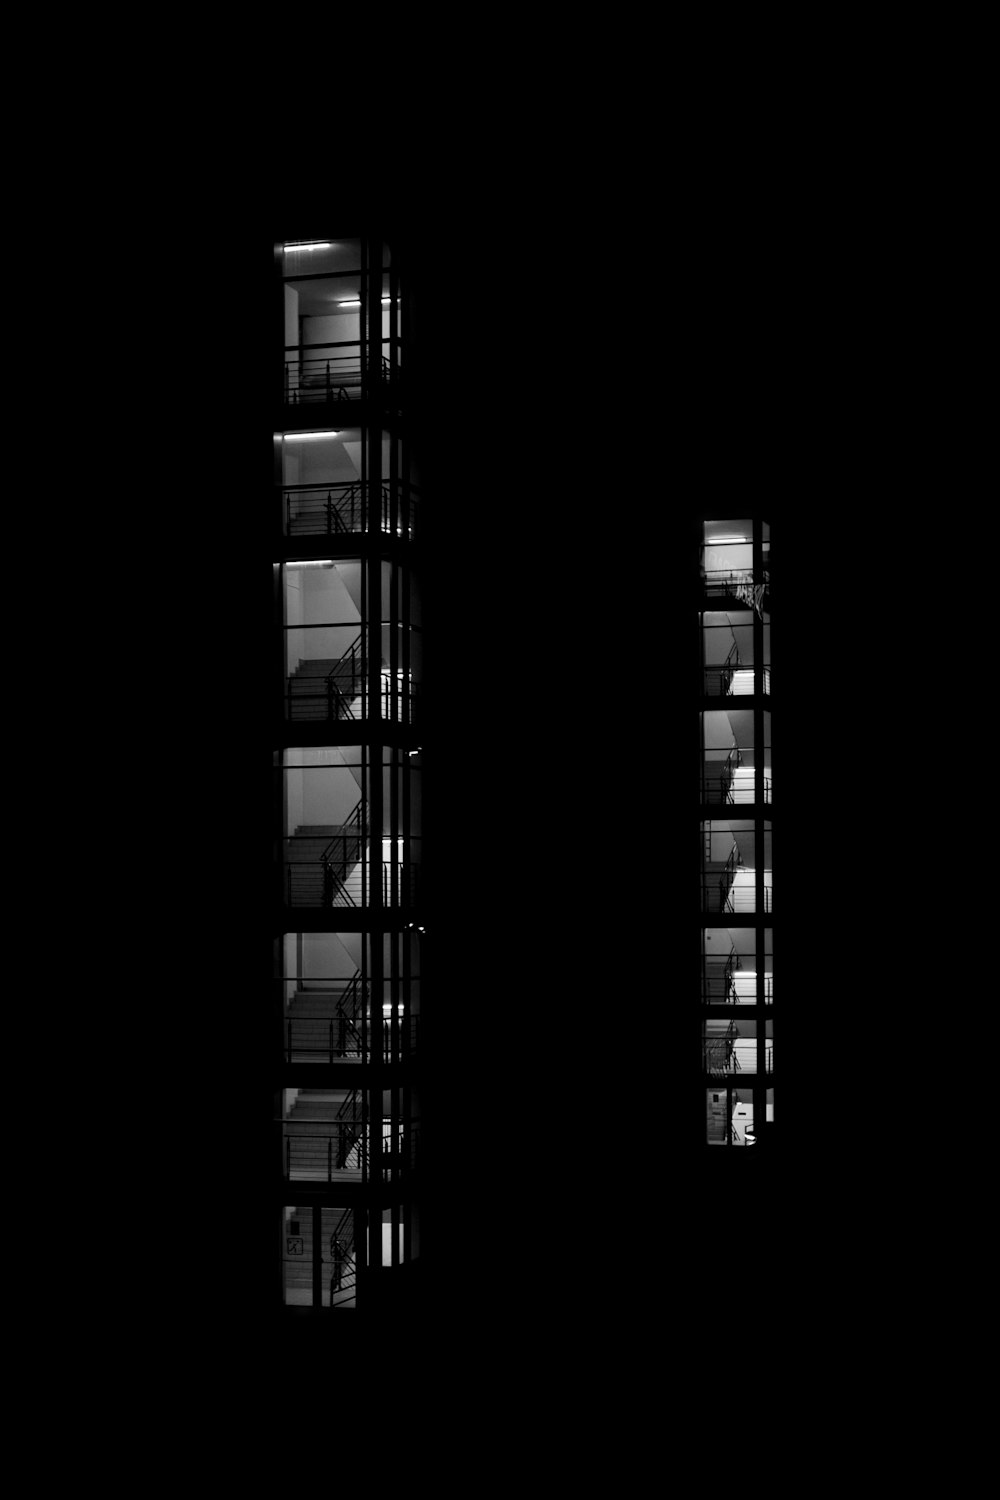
(736, 810)
(345, 706)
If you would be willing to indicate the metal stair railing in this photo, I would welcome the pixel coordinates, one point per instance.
(716, 1050)
(729, 770)
(730, 984)
(322, 377)
(720, 1052)
(339, 702)
(332, 509)
(312, 696)
(728, 878)
(712, 977)
(349, 1127)
(343, 1274)
(336, 861)
(730, 666)
(348, 1007)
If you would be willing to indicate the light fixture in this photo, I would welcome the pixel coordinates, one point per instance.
(309, 245)
(301, 437)
(356, 302)
(727, 541)
(325, 562)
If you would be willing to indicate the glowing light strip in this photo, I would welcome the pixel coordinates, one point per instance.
(300, 437)
(309, 245)
(323, 562)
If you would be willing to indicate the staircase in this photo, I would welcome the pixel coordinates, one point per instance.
(335, 509)
(337, 1226)
(328, 688)
(324, 1024)
(715, 981)
(323, 863)
(719, 1047)
(322, 1132)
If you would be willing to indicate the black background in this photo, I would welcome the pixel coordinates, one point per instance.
(720, 370)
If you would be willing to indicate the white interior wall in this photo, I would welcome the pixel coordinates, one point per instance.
(293, 801)
(324, 956)
(331, 328)
(735, 558)
(718, 731)
(353, 451)
(328, 795)
(294, 607)
(291, 316)
(317, 460)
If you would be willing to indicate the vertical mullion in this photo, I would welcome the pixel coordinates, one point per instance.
(317, 1256)
(372, 306)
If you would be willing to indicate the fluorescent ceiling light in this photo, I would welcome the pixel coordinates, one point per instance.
(297, 437)
(724, 541)
(356, 302)
(324, 562)
(310, 245)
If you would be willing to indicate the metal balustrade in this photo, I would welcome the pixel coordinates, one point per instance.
(720, 893)
(328, 1020)
(729, 1054)
(319, 883)
(733, 781)
(735, 678)
(739, 586)
(339, 1039)
(729, 984)
(342, 508)
(333, 373)
(319, 693)
(339, 1151)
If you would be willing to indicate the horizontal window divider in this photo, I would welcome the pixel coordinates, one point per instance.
(328, 275)
(342, 344)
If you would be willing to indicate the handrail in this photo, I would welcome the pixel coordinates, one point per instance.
(335, 1038)
(317, 379)
(717, 895)
(352, 1101)
(729, 667)
(340, 344)
(326, 344)
(399, 483)
(356, 820)
(346, 512)
(317, 1157)
(353, 992)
